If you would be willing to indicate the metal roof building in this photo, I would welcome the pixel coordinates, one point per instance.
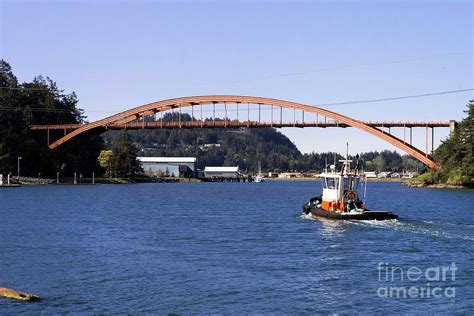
(173, 166)
(221, 172)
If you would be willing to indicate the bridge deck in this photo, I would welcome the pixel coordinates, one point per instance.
(237, 124)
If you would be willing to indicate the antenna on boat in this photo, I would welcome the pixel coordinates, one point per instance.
(346, 168)
(365, 187)
(357, 164)
(347, 151)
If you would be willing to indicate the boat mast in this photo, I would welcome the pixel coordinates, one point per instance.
(347, 159)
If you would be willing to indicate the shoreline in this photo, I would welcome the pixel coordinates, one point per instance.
(415, 184)
(410, 183)
(319, 179)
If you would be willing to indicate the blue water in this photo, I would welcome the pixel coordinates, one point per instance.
(228, 248)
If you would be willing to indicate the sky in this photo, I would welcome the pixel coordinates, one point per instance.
(120, 54)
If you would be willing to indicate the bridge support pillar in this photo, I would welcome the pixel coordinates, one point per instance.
(259, 109)
(214, 113)
(426, 141)
(432, 140)
(452, 126)
(411, 134)
(225, 114)
(200, 104)
(271, 124)
(248, 114)
(237, 103)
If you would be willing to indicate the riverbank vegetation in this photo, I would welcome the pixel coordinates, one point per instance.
(39, 102)
(121, 161)
(455, 156)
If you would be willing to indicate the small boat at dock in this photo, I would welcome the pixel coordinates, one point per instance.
(259, 177)
(340, 199)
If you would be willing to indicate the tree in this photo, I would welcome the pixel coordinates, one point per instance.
(456, 153)
(39, 102)
(123, 161)
(104, 161)
(379, 163)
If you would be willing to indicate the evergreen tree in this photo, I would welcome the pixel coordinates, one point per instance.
(123, 160)
(456, 153)
(39, 102)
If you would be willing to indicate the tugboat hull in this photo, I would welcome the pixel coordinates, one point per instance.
(366, 215)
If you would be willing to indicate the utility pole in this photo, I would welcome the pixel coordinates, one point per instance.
(18, 177)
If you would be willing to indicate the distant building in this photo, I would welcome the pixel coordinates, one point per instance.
(221, 172)
(207, 146)
(370, 174)
(288, 175)
(179, 167)
(385, 174)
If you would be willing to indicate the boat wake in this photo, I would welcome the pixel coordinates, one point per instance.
(427, 228)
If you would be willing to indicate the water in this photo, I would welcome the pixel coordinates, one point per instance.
(227, 248)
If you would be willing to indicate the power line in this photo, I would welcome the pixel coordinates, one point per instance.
(23, 88)
(319, 105)
(9, 108)
(396, 98)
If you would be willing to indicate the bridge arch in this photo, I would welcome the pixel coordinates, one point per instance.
(125, 117)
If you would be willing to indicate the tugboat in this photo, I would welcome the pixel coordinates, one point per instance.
(340, 199)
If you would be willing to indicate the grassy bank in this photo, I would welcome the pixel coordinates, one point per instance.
(453, 179)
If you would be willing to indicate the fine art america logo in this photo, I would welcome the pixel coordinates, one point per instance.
(431, 282)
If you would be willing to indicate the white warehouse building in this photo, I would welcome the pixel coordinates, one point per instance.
(221, 172)
(183, 167)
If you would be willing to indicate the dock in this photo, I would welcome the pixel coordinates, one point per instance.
(11, 185)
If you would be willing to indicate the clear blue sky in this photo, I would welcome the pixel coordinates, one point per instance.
(117, 55)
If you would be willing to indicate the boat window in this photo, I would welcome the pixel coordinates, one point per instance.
(332, 183)
(355, 182)
(347, 184)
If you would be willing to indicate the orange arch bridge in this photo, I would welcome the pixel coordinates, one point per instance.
(146, 117)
